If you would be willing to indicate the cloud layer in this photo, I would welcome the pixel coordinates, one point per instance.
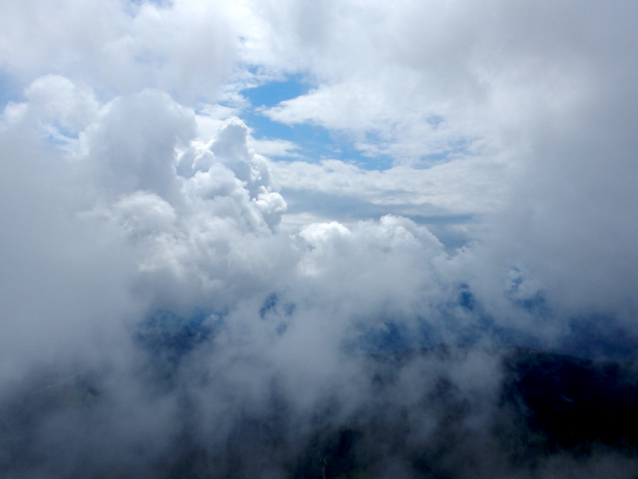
(187, 292)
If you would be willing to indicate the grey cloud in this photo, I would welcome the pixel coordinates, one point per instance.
(132, 147)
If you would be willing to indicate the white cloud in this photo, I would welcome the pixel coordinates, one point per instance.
(126, 193)
(542, 88)
(185, 48)
(274, 147)
(132, 146)
(456, 187)
(524, 95)
(59, 100)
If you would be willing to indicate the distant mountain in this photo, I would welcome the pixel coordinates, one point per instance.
(549, 415)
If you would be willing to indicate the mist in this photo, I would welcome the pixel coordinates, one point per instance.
(419, 263)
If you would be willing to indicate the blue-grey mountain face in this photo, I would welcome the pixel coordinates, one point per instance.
(168, 337)
(415, 418)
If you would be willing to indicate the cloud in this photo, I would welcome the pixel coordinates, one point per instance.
(122, 46)
(515, 87)
(275, 148)
(451, 188)
(132, 153)
(175, 303)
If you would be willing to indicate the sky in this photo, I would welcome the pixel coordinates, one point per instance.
(309, 182)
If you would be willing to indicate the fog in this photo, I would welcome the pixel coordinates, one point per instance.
(179, 300)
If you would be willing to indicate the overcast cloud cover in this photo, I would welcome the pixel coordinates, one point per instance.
(134, 199)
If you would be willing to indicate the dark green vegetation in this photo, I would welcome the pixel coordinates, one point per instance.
(548, 415)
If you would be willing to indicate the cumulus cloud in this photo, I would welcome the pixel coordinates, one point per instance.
(507, 86)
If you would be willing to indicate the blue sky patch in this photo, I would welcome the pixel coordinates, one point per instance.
(272, 93)
(316, 142)
(9, 90)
